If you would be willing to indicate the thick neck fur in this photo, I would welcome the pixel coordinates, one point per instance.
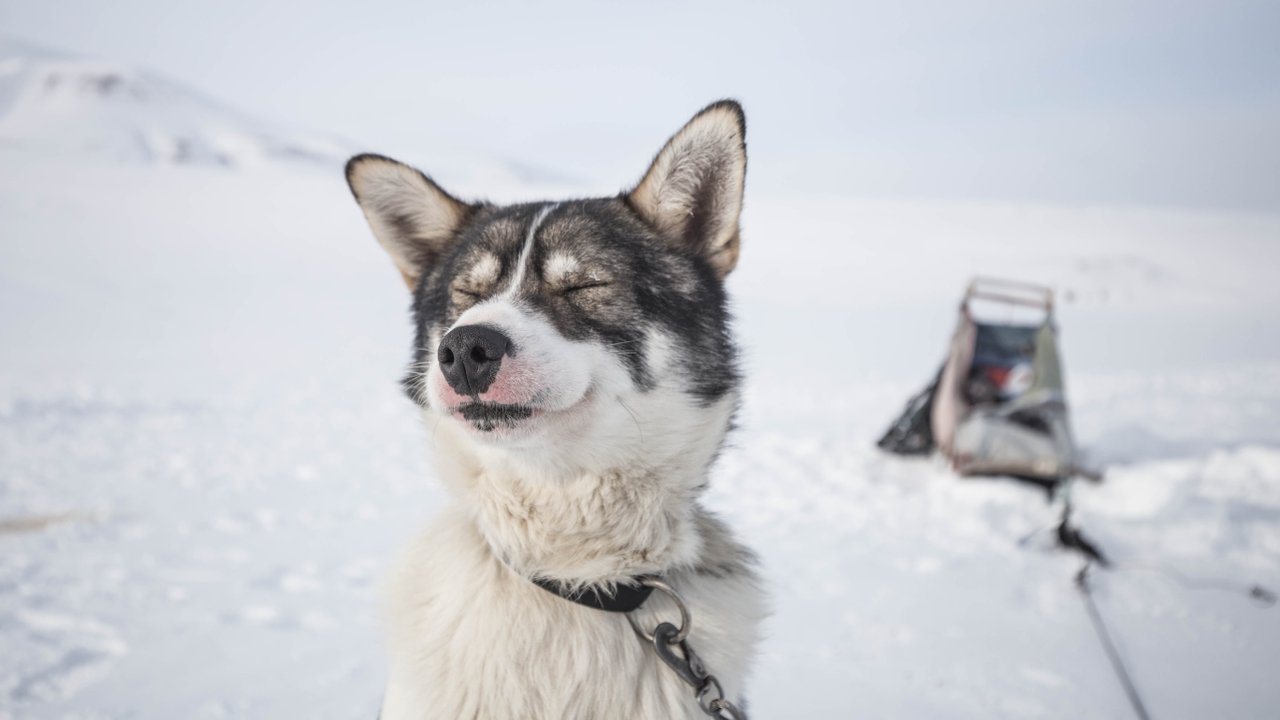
(589, 527)
(587, 530)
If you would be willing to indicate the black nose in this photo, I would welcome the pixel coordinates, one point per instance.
(470, 355)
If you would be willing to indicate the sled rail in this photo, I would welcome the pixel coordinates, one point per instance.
(1010, 292)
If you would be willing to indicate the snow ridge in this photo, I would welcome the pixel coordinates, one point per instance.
(52, 102)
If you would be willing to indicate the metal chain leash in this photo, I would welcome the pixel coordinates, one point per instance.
(671, 645)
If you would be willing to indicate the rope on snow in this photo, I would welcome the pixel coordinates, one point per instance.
(1104, 637)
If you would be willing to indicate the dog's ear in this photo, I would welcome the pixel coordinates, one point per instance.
(413, 219)
(692, 193)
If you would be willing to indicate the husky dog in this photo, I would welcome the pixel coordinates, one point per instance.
(574, 363)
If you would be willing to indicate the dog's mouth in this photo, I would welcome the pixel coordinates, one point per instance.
(488, 417)
(502, 419)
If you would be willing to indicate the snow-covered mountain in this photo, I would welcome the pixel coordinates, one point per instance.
(52, 102)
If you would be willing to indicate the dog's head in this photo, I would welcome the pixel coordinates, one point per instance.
(580, 330)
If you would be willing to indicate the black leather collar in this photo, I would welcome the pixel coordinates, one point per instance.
(625, 597)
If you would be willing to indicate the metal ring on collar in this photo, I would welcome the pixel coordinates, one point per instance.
(686, 623)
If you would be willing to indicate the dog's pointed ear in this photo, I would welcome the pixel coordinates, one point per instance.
(692, 193)
(413, 219)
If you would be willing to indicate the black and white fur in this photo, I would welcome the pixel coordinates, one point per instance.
(577, 448)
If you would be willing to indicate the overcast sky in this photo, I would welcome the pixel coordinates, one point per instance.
(1083, 102)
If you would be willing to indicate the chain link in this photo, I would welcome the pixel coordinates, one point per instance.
(672, 647)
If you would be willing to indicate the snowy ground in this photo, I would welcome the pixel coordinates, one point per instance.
(205, 460)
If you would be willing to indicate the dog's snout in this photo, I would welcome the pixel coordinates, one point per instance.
(470, 355)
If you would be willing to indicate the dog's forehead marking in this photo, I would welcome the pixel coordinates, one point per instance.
(558, 267)
(522, 261)
(486, 269)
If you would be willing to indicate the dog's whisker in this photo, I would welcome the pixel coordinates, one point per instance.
(634, 419)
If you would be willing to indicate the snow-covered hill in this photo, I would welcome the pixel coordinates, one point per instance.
(60, 103)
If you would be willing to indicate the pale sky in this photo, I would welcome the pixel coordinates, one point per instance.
(1085, 102)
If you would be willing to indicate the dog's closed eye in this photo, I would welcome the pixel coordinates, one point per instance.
(469, 293)
(584, 285)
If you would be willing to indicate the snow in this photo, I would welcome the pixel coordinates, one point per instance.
(206, 461)
(52, 102)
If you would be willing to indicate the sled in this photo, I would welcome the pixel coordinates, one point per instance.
(998, 404)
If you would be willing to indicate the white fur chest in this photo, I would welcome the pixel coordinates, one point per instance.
(471, 639)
